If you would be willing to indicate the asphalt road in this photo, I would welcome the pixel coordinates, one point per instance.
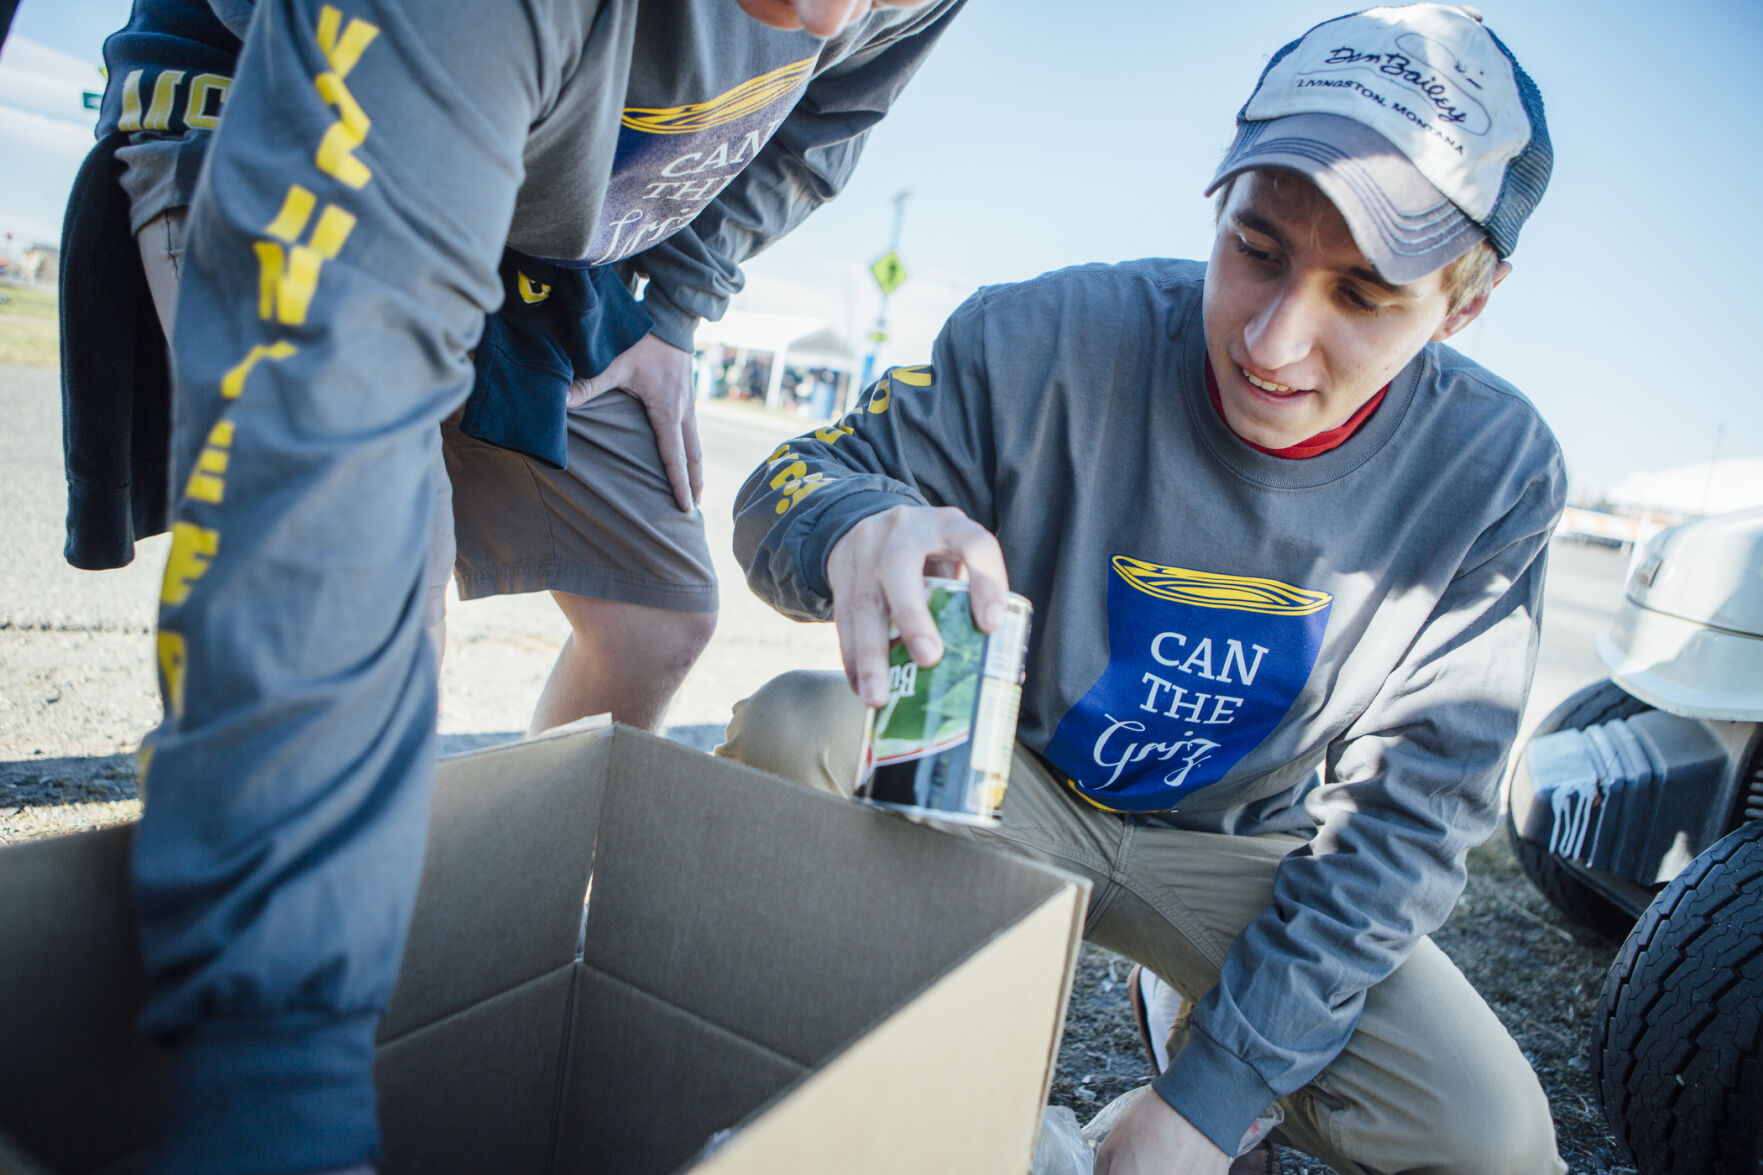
(1581, 596)
(77, 687)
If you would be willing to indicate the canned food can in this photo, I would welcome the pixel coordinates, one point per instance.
(940, 748)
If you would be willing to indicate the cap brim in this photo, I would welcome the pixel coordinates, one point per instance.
(1405, 227)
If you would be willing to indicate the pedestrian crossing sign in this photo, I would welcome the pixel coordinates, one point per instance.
(889, 271)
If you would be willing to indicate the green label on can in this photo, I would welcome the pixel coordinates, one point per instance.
(930, 709)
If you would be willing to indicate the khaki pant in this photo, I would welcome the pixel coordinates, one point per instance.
(1429, 1082)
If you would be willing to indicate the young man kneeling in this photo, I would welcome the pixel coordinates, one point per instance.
(1286, 555)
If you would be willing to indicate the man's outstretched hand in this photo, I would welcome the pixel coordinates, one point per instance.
(876, 572)
(1152, 1139)
(660, 376)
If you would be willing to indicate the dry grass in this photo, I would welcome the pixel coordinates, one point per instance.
(30, 335)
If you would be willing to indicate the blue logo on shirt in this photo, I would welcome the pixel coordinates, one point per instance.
(1202, 667)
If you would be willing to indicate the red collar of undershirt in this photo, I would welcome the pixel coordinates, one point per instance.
(1322, 442)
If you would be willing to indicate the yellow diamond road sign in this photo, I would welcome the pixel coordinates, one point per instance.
(889, 271)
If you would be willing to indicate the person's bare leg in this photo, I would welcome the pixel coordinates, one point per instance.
(624, 659)
(442, 550)
(438, 638)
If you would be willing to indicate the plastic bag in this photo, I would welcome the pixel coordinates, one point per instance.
(1063, 1148)
(1107, 1116)
(1099, 1126)
(1060, 1148)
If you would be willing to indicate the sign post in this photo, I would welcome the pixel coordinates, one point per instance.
(889, 272)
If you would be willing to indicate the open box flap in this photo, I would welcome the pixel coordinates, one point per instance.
(476, 1093)
(511, 845)
(717, 899)
(954, 1081)
(649, 1082)
(78, 1088)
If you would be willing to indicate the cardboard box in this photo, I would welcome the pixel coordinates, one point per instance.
(837, 989)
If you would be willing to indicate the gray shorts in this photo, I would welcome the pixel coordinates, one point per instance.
(606, 528)
(160, 170)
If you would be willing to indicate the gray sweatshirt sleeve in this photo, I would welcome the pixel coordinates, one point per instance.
(341, 257)
(918, 436)
(695, 271)
(1408, 790)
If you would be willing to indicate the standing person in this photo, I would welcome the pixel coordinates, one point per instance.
(342, 251)
(573, 503)
(1286, 555)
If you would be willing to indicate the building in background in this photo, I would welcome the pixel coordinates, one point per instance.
(789, 362)
(1639, 506)
(40, 264)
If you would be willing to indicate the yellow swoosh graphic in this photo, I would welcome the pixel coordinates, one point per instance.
(1078, 791)
(744, 99)
(1237, 593)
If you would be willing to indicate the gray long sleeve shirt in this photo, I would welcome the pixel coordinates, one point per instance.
(1212, 623)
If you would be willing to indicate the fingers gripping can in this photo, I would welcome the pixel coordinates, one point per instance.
(940, 747)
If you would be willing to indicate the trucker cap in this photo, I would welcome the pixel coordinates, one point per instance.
(1417, 122)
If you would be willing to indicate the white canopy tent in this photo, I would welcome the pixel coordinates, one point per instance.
(787, 338)
(1705, 487)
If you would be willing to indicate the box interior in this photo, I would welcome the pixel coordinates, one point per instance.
(751, 958)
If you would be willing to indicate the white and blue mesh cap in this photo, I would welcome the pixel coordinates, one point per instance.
(1417, 122)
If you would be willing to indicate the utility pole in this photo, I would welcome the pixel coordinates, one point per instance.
(890, 274)
(1713, 464)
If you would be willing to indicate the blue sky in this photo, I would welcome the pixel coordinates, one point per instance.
(1044, 133)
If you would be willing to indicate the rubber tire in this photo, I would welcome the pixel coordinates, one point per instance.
(1678, 1062)
(1599, 702)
